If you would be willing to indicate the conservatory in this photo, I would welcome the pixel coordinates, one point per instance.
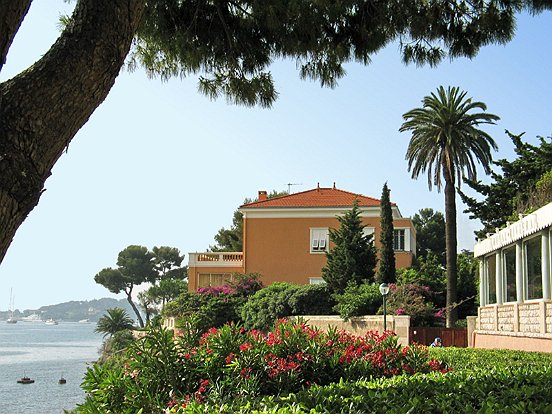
(515, 285)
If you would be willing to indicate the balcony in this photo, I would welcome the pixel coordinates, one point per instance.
(216, 259)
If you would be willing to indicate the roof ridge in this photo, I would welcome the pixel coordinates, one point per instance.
(328, 190)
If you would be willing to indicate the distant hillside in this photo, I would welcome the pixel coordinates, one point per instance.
(75, 310)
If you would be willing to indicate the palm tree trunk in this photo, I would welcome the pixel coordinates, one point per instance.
(451, 247)
(43, 108)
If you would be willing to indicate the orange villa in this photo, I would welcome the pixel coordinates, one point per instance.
(285, 238)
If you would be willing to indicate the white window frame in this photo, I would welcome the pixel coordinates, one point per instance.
(316, 281)
(319, 240)
(404, 236)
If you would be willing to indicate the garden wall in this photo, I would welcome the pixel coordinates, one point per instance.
(362, 324)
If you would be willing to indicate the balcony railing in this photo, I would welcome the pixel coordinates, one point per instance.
(216, 259)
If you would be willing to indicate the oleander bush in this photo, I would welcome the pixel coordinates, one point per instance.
(232, 366)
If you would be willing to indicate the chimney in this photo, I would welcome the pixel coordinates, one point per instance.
(262, 196)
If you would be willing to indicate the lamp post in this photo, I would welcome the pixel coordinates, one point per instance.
(384, 290)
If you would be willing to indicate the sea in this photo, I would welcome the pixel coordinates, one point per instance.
(45, 353)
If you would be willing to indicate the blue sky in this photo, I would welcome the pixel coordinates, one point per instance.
(159, 164)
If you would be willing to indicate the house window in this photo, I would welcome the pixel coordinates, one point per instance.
(319, 240)
(398, 239)
(369, 231)
(212, 279)
(490, 276)
(316, 281)
(533, 268)
(509, 272)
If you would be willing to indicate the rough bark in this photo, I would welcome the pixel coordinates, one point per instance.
(12, 13)
(42, 108)
(451, 247)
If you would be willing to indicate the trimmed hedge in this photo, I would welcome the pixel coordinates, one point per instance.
(482, 381)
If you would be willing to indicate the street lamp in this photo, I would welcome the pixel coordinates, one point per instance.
(384, 290)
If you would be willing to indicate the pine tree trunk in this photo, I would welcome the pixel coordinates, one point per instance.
(42, 108)
(135, 309)
(450, 236)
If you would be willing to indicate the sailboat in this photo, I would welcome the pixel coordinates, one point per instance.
(11, 319)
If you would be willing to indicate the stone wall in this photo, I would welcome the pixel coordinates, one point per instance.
(362, 324)
(515, 326)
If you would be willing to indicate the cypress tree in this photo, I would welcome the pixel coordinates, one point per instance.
(353, 257)
(386, 271)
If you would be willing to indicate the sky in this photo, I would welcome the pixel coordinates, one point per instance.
(159, 164)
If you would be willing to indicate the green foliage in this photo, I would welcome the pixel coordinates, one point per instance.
(267, 305)
(114, 321)
(364, 299)
(511, 190)
(214, 306)
(482, 381)
(232, 44)
(352, 258)
(430, 233)
(411, 299)
(447, 142)
(168, 263)
(468, 283)
(311, 300)
(387, 269)
(230, 365)
(428, 272)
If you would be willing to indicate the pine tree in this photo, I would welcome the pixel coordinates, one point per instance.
(386, 271)
(353, 257)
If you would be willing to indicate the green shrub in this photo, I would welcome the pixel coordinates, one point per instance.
(482, 381)
(364, 299)
(311, 300)
(267, 305)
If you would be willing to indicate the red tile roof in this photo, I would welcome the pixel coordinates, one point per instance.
(318, 197)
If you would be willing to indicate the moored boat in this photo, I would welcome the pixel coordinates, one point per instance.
(25, 380)
(51, 322)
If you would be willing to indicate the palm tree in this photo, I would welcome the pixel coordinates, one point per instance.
(446, 142)
(117, 319)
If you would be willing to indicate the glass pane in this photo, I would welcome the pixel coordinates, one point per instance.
(534, 269)
(217, 279)
(510, 273)
(491, 278)
(203, 280)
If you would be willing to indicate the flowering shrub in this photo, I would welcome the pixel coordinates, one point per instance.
(240, 364)
(229, 364)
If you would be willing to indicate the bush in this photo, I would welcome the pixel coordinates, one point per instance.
(482, 381)
(358, 300)
(267, 305)
(410, 300)
(312, 300)
(230, 365)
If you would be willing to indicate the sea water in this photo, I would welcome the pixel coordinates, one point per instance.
(44, 353)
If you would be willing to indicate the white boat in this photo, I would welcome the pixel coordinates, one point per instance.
(31, 318)
(51, 322)
(84, 321)
(11, 319)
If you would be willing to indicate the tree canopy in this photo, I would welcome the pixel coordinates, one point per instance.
(135, 266)
(430, 233)
(229, 44)
(352, 258)
(511, 190)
